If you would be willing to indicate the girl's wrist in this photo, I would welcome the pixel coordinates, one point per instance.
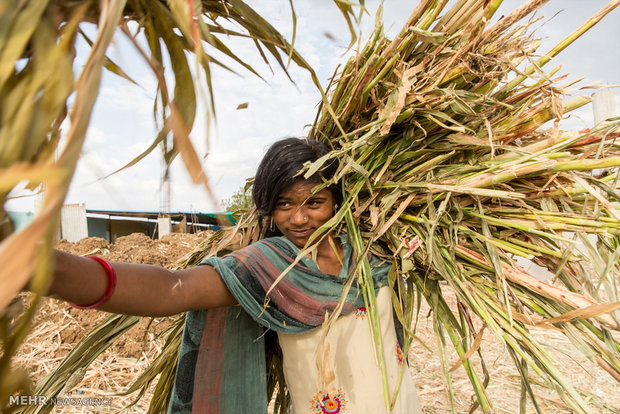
(111, 285)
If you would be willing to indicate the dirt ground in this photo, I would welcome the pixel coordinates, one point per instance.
(58, 327)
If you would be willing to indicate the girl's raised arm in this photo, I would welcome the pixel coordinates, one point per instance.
(143, 290)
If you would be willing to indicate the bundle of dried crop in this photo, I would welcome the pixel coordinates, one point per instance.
(449, 171)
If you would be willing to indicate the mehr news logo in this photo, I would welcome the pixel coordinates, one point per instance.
(24, 400)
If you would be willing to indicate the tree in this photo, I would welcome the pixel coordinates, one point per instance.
(240, 200)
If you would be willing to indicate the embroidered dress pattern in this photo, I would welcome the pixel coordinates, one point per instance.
(360, 313)
(323, 403)
(399, 354)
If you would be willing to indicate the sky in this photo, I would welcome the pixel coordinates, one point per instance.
(122, 123)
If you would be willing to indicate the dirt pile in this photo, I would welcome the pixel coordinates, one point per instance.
(137, 248)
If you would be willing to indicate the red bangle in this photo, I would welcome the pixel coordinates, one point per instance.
(111, 284)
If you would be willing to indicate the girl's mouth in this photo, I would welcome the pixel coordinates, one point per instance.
(301, 233)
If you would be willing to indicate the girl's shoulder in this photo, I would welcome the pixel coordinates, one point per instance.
(273, 242)
(278, 244)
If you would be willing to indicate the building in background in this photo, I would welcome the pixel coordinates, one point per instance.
(78, 222)
(110, 224)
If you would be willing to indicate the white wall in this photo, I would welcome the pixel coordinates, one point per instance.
(73, 225)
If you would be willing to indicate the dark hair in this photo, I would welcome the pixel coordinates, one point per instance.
(280, 168)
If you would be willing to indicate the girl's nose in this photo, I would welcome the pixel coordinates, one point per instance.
(299, 217)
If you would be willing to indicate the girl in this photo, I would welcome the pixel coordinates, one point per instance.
(221, 366)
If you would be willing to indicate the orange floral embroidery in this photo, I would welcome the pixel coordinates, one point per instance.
(323, 403)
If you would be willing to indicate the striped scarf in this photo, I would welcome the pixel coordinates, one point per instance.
(221, 366)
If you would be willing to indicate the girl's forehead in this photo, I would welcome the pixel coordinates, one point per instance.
(301, 189)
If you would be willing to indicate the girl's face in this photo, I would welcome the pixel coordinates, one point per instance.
(298, 213)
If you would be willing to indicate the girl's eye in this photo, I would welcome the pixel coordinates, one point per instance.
(314, 203)
(283, 204)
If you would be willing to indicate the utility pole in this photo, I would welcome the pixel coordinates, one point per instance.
(164, 224)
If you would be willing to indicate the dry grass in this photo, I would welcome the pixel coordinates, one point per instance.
(58, 327)
(504, 388)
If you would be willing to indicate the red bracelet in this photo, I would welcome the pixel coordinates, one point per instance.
(111, 284)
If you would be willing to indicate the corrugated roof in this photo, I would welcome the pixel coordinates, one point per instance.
(221, 219)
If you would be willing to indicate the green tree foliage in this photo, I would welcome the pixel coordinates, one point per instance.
(240, 200)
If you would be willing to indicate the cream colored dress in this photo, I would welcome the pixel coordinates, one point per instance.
(358, 379)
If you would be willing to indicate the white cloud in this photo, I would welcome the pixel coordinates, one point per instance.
(95, 136)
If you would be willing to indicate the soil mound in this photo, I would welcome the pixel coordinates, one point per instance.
(137, 248)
